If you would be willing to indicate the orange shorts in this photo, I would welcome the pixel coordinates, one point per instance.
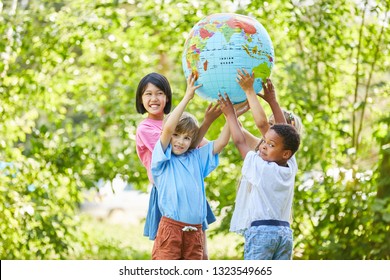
(178, 241)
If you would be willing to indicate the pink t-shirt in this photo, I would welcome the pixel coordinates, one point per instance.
(147, 135)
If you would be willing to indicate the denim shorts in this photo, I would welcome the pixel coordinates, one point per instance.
(268, 243)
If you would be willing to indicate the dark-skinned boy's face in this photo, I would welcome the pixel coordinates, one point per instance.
(272, 148)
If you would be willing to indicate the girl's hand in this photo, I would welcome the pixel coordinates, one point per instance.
(226, 105)
(191, 87)
(269, 92)
(212, 112)
(241, 108)
(245, 80)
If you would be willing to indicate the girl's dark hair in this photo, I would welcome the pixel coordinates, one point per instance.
(159, 81)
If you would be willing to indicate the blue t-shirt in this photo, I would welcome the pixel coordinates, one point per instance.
(180, 181)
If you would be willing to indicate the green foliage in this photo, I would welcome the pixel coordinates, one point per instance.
(380, 237)
(109, 241)
(331, 220)
(37, 205)
(68, 75)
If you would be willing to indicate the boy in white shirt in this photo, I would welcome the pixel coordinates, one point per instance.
(266, 208)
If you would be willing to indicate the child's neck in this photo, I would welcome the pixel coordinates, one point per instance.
(156, 117)
(282, 163)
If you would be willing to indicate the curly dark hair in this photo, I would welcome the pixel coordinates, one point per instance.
(291, 138)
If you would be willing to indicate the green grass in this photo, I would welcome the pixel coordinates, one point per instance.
(103, 240)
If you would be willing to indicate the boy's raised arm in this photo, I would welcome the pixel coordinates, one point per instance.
(270, 97)
(212, 113)
(245, 80)
(250, 139)
(222, 140)
(174, 117)
(234, 127)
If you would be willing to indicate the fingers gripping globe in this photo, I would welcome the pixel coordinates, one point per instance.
(220, 44)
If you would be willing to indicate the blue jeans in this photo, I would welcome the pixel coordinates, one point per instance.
(268, 243)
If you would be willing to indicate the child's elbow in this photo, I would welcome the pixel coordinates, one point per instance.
(239, 142)
(262, 126)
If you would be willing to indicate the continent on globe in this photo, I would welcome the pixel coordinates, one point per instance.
(220, 44)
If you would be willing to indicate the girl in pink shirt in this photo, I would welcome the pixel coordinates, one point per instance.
(154, 97)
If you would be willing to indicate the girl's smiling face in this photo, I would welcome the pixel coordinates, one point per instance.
(154, 101)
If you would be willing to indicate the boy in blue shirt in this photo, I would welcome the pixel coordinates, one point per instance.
(178, 171)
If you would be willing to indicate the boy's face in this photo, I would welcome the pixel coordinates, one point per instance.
(180, 142)
(272, 149)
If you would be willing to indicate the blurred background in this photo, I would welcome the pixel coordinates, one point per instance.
(71, 184)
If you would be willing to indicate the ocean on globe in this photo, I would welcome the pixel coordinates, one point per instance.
(220, 44)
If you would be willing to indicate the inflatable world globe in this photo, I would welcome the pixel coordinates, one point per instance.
(220, 44)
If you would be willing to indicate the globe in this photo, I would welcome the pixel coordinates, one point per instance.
(218, 45)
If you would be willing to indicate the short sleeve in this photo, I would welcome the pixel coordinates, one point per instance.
(209, 161)
(254, 167)
(159, 158)
(147, 137)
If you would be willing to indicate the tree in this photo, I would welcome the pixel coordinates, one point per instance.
(69, 71)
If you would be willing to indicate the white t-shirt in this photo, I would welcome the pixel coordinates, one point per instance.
(266, 192)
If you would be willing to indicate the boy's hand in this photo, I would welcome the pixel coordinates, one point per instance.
(269, 92)
(241, 108)
(191, 88)
(245, 80)
(212, 112)
(226, 105)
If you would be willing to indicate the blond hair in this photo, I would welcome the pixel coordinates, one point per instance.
(291, 118)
